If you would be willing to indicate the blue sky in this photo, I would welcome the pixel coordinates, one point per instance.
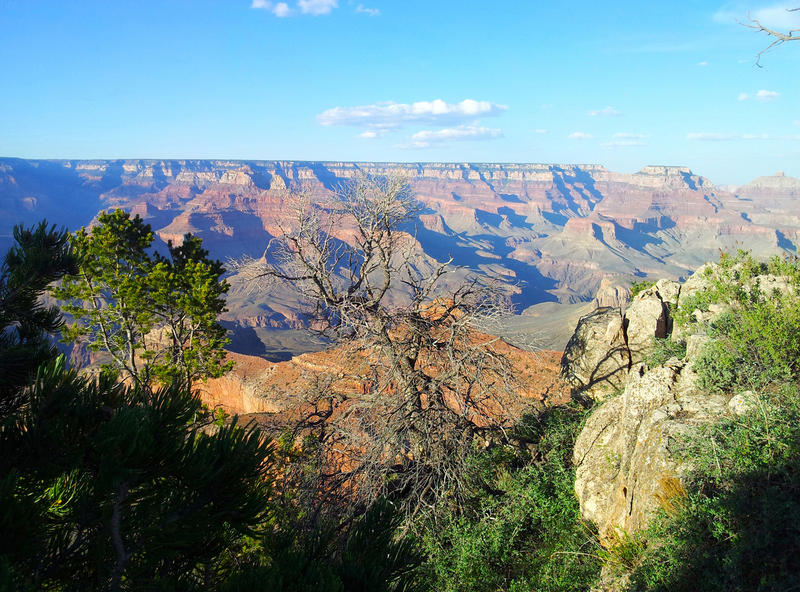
(624, 84)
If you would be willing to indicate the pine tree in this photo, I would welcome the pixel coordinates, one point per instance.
(155, 316)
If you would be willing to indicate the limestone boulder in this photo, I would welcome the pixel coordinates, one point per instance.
(611, 294)
(596, 359)
(625, 463)
(647, 317)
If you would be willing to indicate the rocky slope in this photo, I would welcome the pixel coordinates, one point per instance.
(554, 233)
(257, 387)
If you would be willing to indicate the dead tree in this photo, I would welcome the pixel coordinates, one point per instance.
(778, 37)
(437, 385)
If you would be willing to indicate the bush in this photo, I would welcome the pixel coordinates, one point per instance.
(664, 349)
(523, 529)
(641, 286)
(757, 340)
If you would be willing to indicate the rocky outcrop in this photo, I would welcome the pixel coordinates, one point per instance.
(597, 359)
(625, 460)
(625, 456)
(608, 342)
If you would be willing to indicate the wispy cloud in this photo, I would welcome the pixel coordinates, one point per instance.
(605, 112)
(317, 7)
(702, 64)
(767, 95)
(629, 136)
(392, 115)
(761, 95)
(711, 137)
(541, 131)
(372, 134)
(282, 9)
(725, 137)
(368, 11)
(462, 132)
(580, 136)
(279, 9)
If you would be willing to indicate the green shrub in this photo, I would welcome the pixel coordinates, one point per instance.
(641, 286)
(522, 529)
(664, 349)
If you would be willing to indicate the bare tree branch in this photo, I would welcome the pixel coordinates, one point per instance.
(436, 385)
(778, 37)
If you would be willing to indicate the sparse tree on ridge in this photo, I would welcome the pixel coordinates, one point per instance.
(434, 381)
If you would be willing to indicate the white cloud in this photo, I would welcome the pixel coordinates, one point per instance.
(368, 11)
(372, 134)
(702, 64)
(462, 132)
(761, 95)
(796, 122)
(429, 138)
(279, 9)
(710, 137)
(317, 7)
(622, 144)
(767, 95)
(605, 112)
(629, 136)
(715, 137)
(580, 136)
(541, 131)
(282, 10)
(390, 114)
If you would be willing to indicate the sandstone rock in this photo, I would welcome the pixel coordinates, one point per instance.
(596, 359)
(742, 403)
(610, 294)
(668, 291)
(699, 281)
(646, 317)
(625, 465)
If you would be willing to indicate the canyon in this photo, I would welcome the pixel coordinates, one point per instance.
(564, 238)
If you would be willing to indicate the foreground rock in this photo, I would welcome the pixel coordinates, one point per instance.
(607, 342)
(625, 456)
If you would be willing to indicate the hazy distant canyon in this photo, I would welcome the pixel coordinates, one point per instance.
(553, 232)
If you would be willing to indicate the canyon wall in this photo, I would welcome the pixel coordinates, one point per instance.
(551, 232)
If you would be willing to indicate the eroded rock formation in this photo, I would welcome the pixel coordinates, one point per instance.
(625, 456)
